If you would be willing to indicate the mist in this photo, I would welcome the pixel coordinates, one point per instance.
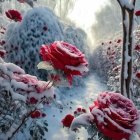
(100, 20)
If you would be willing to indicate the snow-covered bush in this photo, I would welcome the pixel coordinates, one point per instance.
(21, 99)
(39, 26)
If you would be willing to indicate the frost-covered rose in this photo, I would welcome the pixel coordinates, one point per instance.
(65, 57)
(67, 120)
(14, 15)
(114, 115)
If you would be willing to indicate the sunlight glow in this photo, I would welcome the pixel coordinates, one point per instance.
(84, 11)
(84, 14)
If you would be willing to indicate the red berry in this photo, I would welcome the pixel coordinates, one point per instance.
(83, 110)
(75, 112)
(79, 109)
(36, 114)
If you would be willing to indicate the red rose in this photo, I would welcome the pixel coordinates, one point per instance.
(13, 15)
(36, 114)
(93, 106)
(67, 120)
(26, 78)
(114, 115)
(137, 48)
(137, 13)
(33, 100)
(138, 74)
(65, 57)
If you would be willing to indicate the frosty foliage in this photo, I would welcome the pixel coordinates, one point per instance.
(39, 26)
(21, 96)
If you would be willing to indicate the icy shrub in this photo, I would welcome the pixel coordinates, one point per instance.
(23, 40)
(22, 97)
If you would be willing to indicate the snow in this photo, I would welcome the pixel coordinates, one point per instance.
(71, 99)
(66, 50)
(82, 120)
(127, 3)
(81, 68)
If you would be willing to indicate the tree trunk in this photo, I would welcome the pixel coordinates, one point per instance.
(127, 50)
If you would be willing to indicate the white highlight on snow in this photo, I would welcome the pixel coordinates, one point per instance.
(127, 3)
(82, 120)
(80, 68)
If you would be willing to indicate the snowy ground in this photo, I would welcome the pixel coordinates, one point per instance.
(73, 98)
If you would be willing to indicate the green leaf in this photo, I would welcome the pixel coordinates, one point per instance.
(45, 65)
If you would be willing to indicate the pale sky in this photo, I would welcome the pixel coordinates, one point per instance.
(84, 11)
(83, 15)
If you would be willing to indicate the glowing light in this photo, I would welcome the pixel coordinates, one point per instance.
(84, 11)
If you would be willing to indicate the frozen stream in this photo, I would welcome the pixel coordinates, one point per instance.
(78, 96)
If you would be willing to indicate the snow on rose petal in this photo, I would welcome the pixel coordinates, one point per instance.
(115, 115)
(67, 120)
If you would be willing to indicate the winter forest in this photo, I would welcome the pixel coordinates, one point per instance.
(69, 70)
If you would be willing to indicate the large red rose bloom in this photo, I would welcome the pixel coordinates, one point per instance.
(114, 115)
(65, 57)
